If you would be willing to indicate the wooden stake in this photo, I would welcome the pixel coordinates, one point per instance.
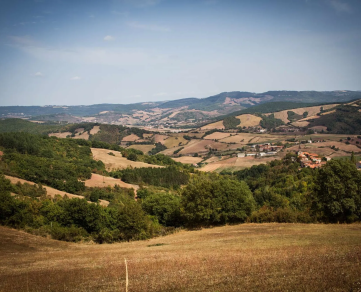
(126, 275)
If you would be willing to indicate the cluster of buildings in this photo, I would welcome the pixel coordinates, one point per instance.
(261, 150)
(310, 160)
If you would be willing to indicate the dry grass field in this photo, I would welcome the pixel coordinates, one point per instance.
(84, 135)
(53, 192)
(60, 135)
(245, 138)
(160, 138)
(188, 159)
(248, 120)
(101, 181)
(95, 130)
(202, 146)
(174, 142)
(216, 136)
(236, 163)
(216, 125)
(117, 161)
(144, 148)
(312, 111)
(130, 138)
(248, 257)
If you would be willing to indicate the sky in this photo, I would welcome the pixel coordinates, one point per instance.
(80, 52)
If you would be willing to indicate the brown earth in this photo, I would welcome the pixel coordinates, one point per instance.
(144, 148)
(95, 130)
(246, 257)
(202, 146)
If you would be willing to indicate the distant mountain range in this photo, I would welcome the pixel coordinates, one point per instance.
(187, 111)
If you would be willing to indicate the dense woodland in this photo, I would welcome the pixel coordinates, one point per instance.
(168, 198)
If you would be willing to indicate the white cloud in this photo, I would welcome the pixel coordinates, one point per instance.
(340, 6)
(109, 38)
(150, 27)
(75, 78)
(38, 74)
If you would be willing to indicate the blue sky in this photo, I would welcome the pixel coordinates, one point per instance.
(125, 51)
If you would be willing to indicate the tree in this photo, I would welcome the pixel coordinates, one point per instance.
(165, 206)
(337, 196)
(209, 200)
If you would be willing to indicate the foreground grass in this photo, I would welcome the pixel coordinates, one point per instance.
(248, 257)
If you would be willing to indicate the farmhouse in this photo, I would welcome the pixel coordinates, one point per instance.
(310, 160)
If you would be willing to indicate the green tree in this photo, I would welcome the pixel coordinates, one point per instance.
(209, 200)
(165, 206)
(337, 196)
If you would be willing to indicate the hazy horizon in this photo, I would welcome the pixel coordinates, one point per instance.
(80, 52)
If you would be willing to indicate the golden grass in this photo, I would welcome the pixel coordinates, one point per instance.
(248, 257)
(202, 146)
(130, 138)
(312, 111)
(95, 130)
(216, 125)
(53, 192)
(188, 159)
(248, 120)
(174, 141)
(84, 135)
(160, 138)
(101, 181)
(60, 135)
(144, 148)
(216, 136)
(117, 161)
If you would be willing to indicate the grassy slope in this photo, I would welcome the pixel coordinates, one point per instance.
(248, 257)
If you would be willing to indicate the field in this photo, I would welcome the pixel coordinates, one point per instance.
(188, 159)
(248, 257)
(60, 135)
(248, 120)
(160, 138)
(199, 146)
(144, 148)
(101, 181)
(216, 125)
(216, 136)
(246, 138)
(312, 111)
(117, 161)
(236, 163)
(95, 130)
(130, 138)
(51, 191)
(174, 141)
